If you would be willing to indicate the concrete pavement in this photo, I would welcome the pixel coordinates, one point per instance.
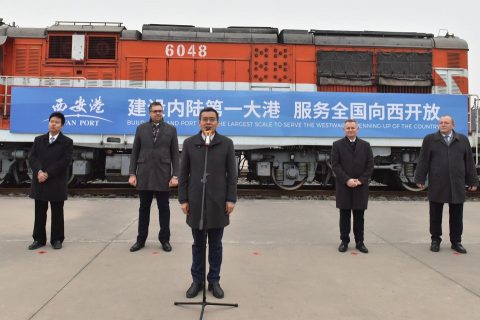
(280, 262)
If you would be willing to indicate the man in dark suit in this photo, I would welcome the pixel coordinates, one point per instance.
(352, 163)
(218, 194)
(446, 158)
(49, 159)
(153, 170)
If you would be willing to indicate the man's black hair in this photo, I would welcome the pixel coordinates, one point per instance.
(57, 114)
(207, 109)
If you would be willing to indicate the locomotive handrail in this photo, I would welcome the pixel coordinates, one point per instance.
(474, 107)
(36, 81)
(89, 23)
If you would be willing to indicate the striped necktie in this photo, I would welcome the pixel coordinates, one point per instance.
(52, 140)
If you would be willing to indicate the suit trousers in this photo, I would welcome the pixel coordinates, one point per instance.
(215, 251)
(57, 225)
(146, 197)
(455, 221)
(358, 224)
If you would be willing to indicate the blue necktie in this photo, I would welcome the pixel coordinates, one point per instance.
(52, 139)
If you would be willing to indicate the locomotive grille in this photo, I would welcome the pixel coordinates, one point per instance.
(270, 64)
(21, 61)
(27, 60)
(137, 74)
(453, 60)
(101, 48)
(60, 47)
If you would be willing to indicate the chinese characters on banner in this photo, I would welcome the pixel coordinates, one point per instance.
(119, 111)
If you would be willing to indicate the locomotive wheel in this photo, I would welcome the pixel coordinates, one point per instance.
(295, 186)
(72, 178)
(408, 183)
(18, 174)
(72, 181)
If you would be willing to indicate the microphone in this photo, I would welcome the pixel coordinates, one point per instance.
(208, 139)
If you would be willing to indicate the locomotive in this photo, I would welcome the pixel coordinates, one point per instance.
(282, 94)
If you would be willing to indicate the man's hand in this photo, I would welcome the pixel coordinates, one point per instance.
(420, 185)
(132, 180)
(472, 188)
(185, 208)
(173, 182)
(42, 176)
(229, 206)
(351, 183)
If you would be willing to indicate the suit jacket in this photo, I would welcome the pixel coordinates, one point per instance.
(154, 163)
(352, 164)
(221, 183)
(449, 167)
(54, 159)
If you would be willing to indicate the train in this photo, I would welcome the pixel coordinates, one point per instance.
(282, 94)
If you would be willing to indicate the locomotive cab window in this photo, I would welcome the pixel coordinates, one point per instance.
(102, 47)
(60, 47)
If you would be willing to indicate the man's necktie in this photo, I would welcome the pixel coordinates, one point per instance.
(447, 139)
(155, 129)
(52, 139)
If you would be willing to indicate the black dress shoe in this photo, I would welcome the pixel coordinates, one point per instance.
(57, 245)
(361, 247)
(35, 245)
(457, 246)
(137, 246)
(166, 246)
(194, 289)
(435, 246)
(216, 290)
(343, 246)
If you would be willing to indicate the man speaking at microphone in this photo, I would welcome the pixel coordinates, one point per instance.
(220, 197)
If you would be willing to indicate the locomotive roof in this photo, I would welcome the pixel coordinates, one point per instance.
(389, 34)
(237, 34)
(358, 38)
(26, 32)
(373, 41)
(191, 33)
(450, 43)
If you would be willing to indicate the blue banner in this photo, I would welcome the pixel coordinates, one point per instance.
(242, 113)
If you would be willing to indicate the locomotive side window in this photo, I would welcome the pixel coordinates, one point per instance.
(60, 47)
(102, 47)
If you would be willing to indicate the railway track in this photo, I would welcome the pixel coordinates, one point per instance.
(244, 191)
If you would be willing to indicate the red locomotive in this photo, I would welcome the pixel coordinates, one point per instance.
(182, 57)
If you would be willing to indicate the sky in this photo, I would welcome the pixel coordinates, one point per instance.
(458, 17)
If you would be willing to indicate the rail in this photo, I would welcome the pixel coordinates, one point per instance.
(10, 81)
(244, 191)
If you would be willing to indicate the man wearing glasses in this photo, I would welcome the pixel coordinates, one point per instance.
(153, 170)
(219, 197)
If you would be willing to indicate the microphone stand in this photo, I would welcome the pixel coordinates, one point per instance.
(202, 226)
